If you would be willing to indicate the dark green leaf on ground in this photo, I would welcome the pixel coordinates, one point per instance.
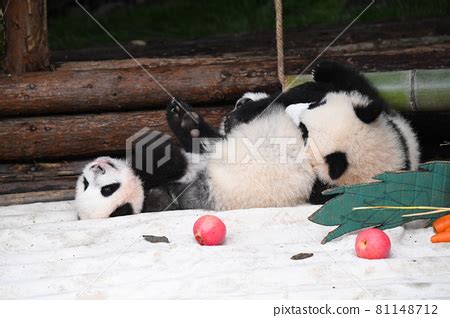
(155, 239)
(300, 256)
(429, 186)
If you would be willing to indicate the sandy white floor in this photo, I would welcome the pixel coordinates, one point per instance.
(46, 253)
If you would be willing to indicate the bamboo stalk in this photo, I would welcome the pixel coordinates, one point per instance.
(426, 213)
(411, 90)
(398, 207)
(436, 210)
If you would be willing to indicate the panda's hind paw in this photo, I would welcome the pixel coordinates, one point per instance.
(176, 110)
(182, 120)
(191, 123)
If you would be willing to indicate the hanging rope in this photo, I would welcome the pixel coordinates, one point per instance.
(279, 37)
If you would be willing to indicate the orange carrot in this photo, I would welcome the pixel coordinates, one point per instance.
(441, 224)
(441, 237)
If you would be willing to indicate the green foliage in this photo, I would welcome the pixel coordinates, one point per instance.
(430, 186)
(188, 19)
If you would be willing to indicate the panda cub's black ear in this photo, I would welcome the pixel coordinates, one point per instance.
(368, 113)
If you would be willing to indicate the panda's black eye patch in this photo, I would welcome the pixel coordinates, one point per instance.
(111, 164)
(317, 104)
(86, 183)
(109, 189)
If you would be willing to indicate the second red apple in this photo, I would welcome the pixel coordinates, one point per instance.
(372, 244)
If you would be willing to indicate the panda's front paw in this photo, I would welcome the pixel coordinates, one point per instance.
(182, 120)
(176, 110)
(250, 97)
(241, 102)
(325, 71)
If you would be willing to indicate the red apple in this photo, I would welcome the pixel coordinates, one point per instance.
(209, 230)
(372, 244)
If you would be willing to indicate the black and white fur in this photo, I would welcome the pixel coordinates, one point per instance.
(347, 132)
(355, 132)
(351, 149)
(108, 187)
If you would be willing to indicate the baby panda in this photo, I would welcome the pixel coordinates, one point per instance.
(354, 132)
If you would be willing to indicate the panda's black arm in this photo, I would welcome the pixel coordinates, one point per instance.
(305, 93)
(157, 161)
(187, 124)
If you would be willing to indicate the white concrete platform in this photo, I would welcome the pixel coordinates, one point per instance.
(46, 253)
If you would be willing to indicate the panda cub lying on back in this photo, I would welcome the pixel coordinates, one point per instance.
(273, 151)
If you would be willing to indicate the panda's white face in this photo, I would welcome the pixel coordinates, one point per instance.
(106, 187)
(362, 150)
(333, 124)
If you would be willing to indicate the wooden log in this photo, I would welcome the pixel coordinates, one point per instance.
(108, 89)
(39, 196)
(26, 36)
(120, 85)
(39, 171)
(60, 183)
(89, 135)
(18, 178)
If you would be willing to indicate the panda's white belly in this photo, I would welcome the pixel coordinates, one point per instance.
(251, 168)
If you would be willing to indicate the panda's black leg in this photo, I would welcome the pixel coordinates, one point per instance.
(163, 167)
(156, 159)
(187, 124)
(316, 196)
(160, 198)
(344, 78)
(328, 72)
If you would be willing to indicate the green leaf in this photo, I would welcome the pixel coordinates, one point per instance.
(429, 186)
